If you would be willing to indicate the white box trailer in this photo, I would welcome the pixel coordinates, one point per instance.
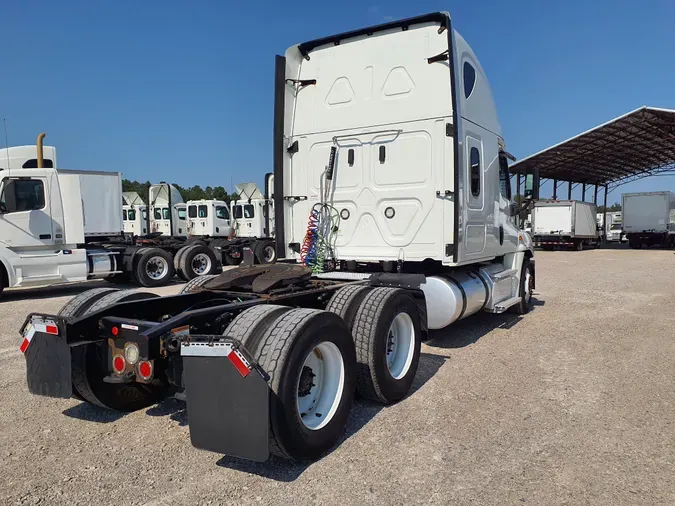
(100, 194)
(568, 223)
(649, 218)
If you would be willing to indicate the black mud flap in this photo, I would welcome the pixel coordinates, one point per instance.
(48, 366)
(227, 399)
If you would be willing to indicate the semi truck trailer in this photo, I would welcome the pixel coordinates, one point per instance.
(649, 218)
(397, 179)
(565, 223)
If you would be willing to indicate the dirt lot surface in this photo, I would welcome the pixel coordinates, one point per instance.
(571, 404)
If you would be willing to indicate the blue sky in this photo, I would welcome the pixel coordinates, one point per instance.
(183, 91)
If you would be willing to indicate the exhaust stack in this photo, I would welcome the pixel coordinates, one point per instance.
(40, 151)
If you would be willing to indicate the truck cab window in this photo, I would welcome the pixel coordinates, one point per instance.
(124, 215)
(222, 213)
(157, 213)
(165, 213)
(192, 211)
(469, 79)
(475, 172)
(203, 211)
(22, 195)
(132, 215)
(504, 178)
(32, 164)
(237, 212)
(181, 213)
(249, 211)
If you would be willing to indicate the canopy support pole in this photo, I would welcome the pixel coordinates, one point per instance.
(569, 190)
(555, 189)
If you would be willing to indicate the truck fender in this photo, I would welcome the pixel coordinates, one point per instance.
(7, 274)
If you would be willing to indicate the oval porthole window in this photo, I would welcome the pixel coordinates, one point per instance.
(469, 79)
(389, 212)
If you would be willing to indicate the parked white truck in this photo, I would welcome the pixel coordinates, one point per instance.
(60, 226)
(649, 218)
(391, 130)
(566, 223)
(134, 214)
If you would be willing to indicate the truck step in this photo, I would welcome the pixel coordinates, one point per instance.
(508, 273)
(505, 304)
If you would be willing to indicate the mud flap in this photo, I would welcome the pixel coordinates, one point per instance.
(227, 400)
(48, 369)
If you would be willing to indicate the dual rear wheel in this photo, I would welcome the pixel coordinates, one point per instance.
(368, 340)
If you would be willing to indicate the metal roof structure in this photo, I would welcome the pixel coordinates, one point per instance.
(638, 144)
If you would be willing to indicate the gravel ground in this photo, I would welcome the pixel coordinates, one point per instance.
(572, 404)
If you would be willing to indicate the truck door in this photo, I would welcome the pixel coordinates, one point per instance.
(25, 219)
(474, 196)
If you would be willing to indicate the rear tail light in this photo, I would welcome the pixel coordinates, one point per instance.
(145, 369)
(119, 364)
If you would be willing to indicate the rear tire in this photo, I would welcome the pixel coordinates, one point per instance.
(388, 338)
(198, 281)
(309, 356)
(89, 367)
(154, 267)
(250, 325)
(176, 263)
(578, 245)
(196, 261)
(346, 301)
(264, 252)
(79, 304)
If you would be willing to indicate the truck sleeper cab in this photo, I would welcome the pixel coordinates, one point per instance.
(424, 241)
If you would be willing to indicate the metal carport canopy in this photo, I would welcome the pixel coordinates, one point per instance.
(638, 144)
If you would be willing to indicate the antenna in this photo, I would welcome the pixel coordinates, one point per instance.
(9, 169)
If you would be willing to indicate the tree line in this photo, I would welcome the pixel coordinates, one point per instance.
(190, 193)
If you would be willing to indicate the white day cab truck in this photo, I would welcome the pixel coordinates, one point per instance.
(649, 219)
(61, 226)
(134, 214)
(246, 223)
(565, 223)
(393, 217)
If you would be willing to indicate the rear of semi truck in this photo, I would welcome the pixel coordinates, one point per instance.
(649, 218)
(565, 223)
(394, 215)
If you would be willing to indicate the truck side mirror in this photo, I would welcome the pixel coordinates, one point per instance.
(532, 185)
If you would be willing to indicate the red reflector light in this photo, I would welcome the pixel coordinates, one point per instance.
(115, 331)
(145, 369)
(52, 329)
(119, 364)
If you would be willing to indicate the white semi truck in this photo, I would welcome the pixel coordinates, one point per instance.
(649, 218)
(386, 140)
(565, 223)
(60, 226)
(134, 214)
